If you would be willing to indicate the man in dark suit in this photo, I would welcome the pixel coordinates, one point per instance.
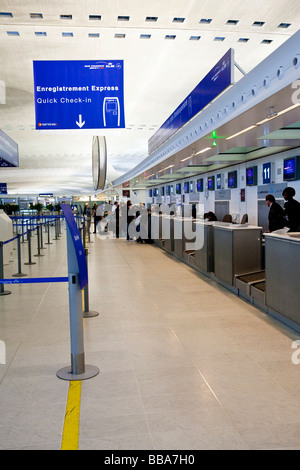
(276, 214)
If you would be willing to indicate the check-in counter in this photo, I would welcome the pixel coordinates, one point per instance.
(167, 233)
(183, 227)
(156, 227)
(282, 260)
(204, 254)
(237, 250)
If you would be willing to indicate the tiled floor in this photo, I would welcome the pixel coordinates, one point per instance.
(184, 363)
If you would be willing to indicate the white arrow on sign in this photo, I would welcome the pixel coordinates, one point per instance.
(80, 123)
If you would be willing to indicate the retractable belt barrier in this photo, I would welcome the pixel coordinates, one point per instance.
(77, 281)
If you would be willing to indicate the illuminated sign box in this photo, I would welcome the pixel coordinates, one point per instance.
(79, 94)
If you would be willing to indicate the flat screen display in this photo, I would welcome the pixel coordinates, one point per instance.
(186, 187)
(168, 191)
(211, 183)
(178, 188)
(162, 191)
(219, 181)
(251, 176)
(191, 186)
(155, 192)
(232, 179)
(200, 185)
(126, 192)
(171, 189)
(289, 169)
(150, 193)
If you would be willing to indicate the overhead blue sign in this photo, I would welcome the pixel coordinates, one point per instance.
(79, 94)
(3, 188)
(214, 83)
(9, 151)
(77, 244)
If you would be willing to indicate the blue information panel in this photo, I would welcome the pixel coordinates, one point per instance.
(79, 250)
(9, 151)
(79, 94)
(3, 188)
(214, 83)
(267, 173)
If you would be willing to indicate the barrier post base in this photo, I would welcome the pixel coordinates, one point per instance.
(5, 292)
(66, 373)
(90, 314)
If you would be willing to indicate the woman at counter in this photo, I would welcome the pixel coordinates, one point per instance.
(291, 209)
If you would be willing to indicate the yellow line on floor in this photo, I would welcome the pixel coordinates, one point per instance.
(70, 438)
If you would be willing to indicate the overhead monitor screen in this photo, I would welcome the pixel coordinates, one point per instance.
(162, 191)
(289, 169)
(178, 188)
(200, 185)
(251, 176)
(211, 183)
(168, 190)
(186, 187)
(232, 179)
(150, 192)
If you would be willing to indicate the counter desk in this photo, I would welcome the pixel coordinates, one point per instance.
(237, 250)
(282, 258)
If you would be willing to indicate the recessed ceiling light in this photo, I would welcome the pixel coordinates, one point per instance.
(205, 21)
(232, 22)
(152, 19)
(35, 15)
(243, 40)
(178, 20)
(70, 35)
(94, 35)
(145, 36)
(170, 36)
(6, 14)
(40, 33)
(65, 17)
(219, 38)
(195, 38)
(120, 36)
(267, 41)
(95, 17)
(13, 33)
(123, 18)
(284, 25)
(258, 23)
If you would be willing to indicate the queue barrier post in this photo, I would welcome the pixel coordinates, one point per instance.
(38, 241)
(29, 248)
(19, 273)
(2, 291)
(87, 313)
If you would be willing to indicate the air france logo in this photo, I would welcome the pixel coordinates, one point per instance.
(219, 70)
(2, 353)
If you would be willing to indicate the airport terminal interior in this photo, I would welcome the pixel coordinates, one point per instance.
(149, 226)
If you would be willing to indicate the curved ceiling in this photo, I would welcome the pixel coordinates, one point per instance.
(167, 48)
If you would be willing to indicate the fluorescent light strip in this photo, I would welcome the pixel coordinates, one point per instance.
(241, 132)
(170, 166)
(191, 156)
(280, 113)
